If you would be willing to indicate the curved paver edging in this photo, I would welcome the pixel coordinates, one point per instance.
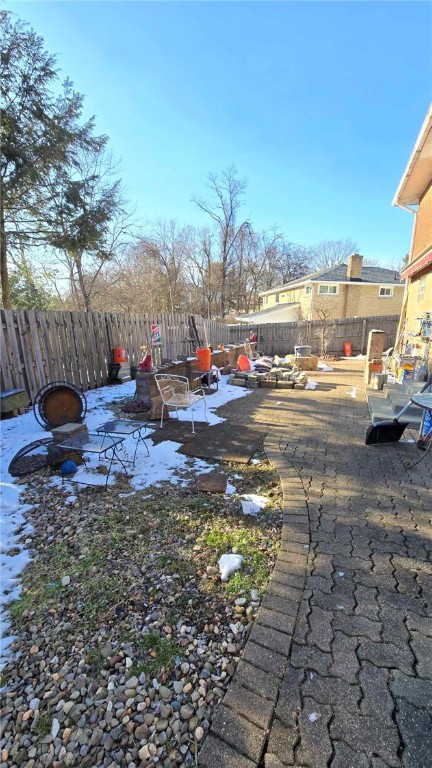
(241, 722)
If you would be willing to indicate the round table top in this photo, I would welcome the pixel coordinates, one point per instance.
(423, 400)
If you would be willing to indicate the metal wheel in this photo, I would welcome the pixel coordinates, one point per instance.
(59, 403)
(32, 458)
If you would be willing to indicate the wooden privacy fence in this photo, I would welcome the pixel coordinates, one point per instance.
(281, 338)
(40, 347)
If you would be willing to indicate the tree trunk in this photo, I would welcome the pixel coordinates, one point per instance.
(3, 262)
(86, 297)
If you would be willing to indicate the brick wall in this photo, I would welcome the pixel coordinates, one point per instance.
(423, 226)
(359, 301)
(351, 301)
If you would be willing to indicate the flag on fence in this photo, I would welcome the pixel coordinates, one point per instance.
(156, 334)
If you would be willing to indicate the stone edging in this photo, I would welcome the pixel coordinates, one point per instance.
(241, 723)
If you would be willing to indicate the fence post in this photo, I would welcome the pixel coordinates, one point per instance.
(363, 337)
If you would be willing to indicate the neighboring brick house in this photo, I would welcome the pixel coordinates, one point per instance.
(415, 188)
(345, 290)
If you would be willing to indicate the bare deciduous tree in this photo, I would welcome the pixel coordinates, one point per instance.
(227, 193)
(331, 252)
(326, 326)
(169, 247)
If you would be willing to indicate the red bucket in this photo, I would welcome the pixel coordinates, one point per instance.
(347, 348)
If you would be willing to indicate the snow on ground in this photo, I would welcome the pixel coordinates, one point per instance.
(252, 504)
(164, 463)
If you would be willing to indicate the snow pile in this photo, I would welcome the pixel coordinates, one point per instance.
(311, 384)
(228, 564)
(324, 367)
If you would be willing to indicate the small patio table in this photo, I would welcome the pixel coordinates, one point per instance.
(103, 445)
(127, 427)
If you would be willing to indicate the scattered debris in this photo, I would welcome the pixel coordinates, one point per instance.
(352, 392)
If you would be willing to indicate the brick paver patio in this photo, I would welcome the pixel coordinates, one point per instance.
(337, 670)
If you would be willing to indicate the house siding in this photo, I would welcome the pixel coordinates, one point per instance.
(423, 226)
(422, 242)
(416, 307)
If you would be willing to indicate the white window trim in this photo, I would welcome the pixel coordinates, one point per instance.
(307, 290)
(328, 285)
(385, 288)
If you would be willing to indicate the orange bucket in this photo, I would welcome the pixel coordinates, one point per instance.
(347, 347)
(119, 355)
(204, 359)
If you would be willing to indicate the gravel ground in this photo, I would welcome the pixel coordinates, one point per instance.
(125, 635)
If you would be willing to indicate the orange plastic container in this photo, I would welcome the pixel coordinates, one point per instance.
(119, 355)
(204, 359)
(244, 364)
(347, 347)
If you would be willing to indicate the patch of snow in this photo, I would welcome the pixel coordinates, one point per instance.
(254, 461)
(311, 384)
(230, 489)
(253, 504)
(324, 367)
(228, 564)
(225, 393)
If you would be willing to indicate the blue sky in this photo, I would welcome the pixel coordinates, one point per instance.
(318, 104)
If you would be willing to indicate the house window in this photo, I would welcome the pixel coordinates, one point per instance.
(328, 290)
(421, 288)
(265, 300)
(276, 298)
(385, 292)
(308, 290)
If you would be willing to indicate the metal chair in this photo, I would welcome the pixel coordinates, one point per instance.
(175, 393)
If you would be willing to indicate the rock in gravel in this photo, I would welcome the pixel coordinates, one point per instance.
(96, 736)
(164, 692)
(144, 753)
(186, 712)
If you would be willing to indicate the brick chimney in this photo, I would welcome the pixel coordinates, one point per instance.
(354, 268)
